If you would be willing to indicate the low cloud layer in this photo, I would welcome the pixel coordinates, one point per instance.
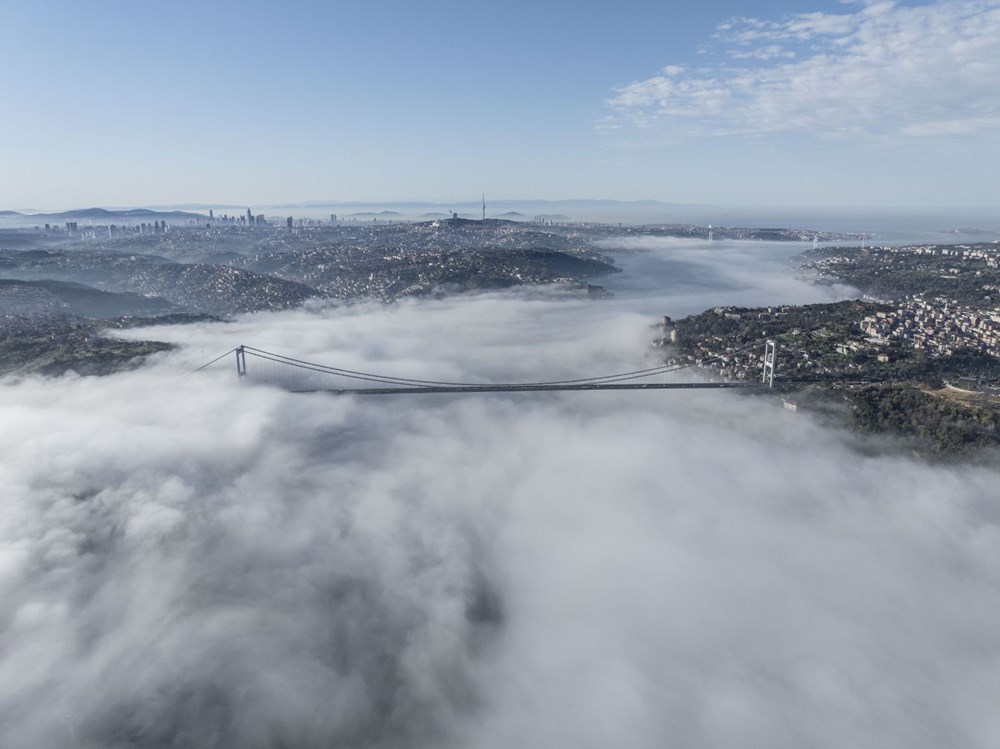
(184, 562)
(703, 274)
(879, 68)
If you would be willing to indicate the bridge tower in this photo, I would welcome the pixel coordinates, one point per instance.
(241, 363)
(770, 355)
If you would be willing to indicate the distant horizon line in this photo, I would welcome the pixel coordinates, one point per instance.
(353, 203)
(592, 202)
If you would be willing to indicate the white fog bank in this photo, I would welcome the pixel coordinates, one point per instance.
(185, 562)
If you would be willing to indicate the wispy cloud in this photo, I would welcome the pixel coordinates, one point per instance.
(880, 68)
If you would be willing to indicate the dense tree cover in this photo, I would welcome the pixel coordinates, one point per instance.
(743, 325)
(893, 275)
(936, 423)
(56, 345)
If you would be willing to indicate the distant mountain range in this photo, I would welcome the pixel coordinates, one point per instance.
(556, 210)
(103, 214)
(628, 212)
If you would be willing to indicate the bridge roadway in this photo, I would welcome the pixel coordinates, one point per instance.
(513, 388)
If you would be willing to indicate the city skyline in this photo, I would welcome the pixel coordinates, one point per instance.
(849, 103)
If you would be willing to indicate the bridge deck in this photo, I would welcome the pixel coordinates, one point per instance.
(544, 388)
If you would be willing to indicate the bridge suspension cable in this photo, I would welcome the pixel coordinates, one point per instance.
(390, 379)
(392, 383)
(216, 359)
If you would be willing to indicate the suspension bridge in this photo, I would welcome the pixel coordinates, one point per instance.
(300, 376)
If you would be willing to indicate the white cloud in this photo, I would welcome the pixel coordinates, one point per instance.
(769, 52)
(920, 71)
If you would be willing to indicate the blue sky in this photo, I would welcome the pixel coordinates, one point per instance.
(810, 102)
